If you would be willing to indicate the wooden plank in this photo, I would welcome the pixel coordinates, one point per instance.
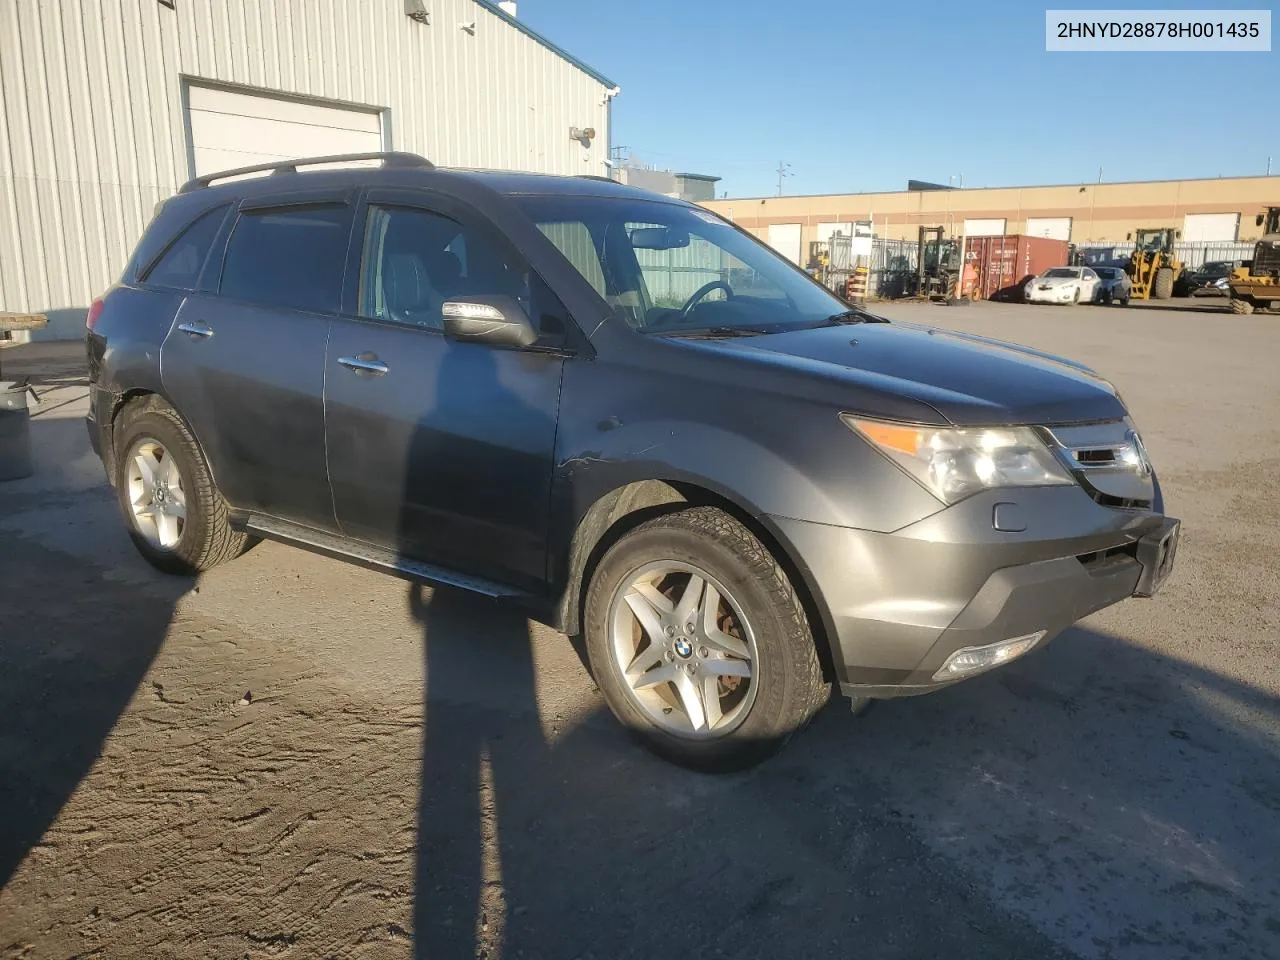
(22, 321)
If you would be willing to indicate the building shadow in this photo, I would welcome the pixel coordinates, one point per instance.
(76, 645)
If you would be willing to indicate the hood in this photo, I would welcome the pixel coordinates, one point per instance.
(969, 380)
(1055, 281)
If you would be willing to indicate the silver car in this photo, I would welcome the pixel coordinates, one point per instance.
(1114, 286)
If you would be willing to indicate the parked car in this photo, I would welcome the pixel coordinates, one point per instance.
(1114, 285)
(1063, 285)
(625, 414)
(1208, 280)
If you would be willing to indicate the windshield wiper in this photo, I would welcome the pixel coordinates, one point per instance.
(712, 333)
(850, 317)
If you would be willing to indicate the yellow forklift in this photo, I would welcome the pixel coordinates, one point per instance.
(1153, 266)
(1256, 287)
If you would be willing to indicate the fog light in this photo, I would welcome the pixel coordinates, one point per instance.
(969, 660)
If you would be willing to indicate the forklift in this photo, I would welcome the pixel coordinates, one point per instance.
(1153, 266)
(937, 275)
(819, 263)
(1255, 288)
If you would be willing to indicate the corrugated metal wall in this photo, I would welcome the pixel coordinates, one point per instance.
(92, 119)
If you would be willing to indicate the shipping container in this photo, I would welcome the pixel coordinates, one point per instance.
(1000, 266)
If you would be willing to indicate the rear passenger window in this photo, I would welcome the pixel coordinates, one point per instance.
(288, 257)
(179, 267)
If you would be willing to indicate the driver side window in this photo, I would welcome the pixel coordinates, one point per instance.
(415, 260)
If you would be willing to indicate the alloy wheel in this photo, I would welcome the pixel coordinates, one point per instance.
(157, 501)
(686, 653)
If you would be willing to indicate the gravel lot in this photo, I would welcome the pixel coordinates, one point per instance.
(298, 758)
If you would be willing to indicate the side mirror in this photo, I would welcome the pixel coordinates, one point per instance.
(498, 321)
(1259, 220)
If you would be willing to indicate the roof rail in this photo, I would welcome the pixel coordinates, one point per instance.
(389, 159)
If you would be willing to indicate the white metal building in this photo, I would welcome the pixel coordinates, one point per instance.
(108, 106)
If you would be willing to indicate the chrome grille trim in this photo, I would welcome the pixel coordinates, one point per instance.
(1108, 459)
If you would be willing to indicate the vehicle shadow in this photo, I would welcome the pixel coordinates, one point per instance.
(1094, 799)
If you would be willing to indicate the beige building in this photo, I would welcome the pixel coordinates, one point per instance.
(1220, 210)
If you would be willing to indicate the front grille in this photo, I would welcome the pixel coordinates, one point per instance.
(1102, 559)
(1109, 461)
(1095, 456)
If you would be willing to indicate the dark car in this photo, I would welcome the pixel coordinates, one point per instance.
(625, 414)
(1207, 280)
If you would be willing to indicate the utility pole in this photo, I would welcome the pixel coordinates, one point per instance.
(1268, 166)
(1099, 174)
(784, 170)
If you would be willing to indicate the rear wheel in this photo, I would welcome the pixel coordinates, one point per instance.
(1243, 307)
(699, 642)
(1162, 289)
(176, 516)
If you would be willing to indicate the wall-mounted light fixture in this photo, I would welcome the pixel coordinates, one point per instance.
(583, 135)
(468, 27)
(416, 10)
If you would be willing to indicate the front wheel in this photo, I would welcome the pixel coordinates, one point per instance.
(699, 642)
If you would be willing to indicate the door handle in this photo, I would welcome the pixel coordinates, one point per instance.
(365, 363)
(196, 329)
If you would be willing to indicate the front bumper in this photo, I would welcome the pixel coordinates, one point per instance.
(1052, 295)
(897, 605)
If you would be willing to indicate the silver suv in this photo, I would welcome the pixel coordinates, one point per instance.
(625, 414)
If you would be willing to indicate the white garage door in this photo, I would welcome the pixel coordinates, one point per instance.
(1056, 228)
(1211, 226)
(236, 129)
(785, 238)
(984, 228)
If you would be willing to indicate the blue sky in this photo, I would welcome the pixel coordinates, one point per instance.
(860, 95)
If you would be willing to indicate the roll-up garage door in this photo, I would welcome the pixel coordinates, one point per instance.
(1220, 227)
(236, 128)
(785, 238)
(1056, 228)
(984, 228)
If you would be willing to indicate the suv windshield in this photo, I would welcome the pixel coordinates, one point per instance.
(668, 268)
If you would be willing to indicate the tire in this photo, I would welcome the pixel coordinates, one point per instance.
(204, 536)
(1075, 297)
(785, 686)
(1242, 307)
(1162, 289)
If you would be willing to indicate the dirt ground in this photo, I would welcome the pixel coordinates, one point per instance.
(297, 758)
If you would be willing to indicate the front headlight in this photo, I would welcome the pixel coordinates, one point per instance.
(954, 463)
